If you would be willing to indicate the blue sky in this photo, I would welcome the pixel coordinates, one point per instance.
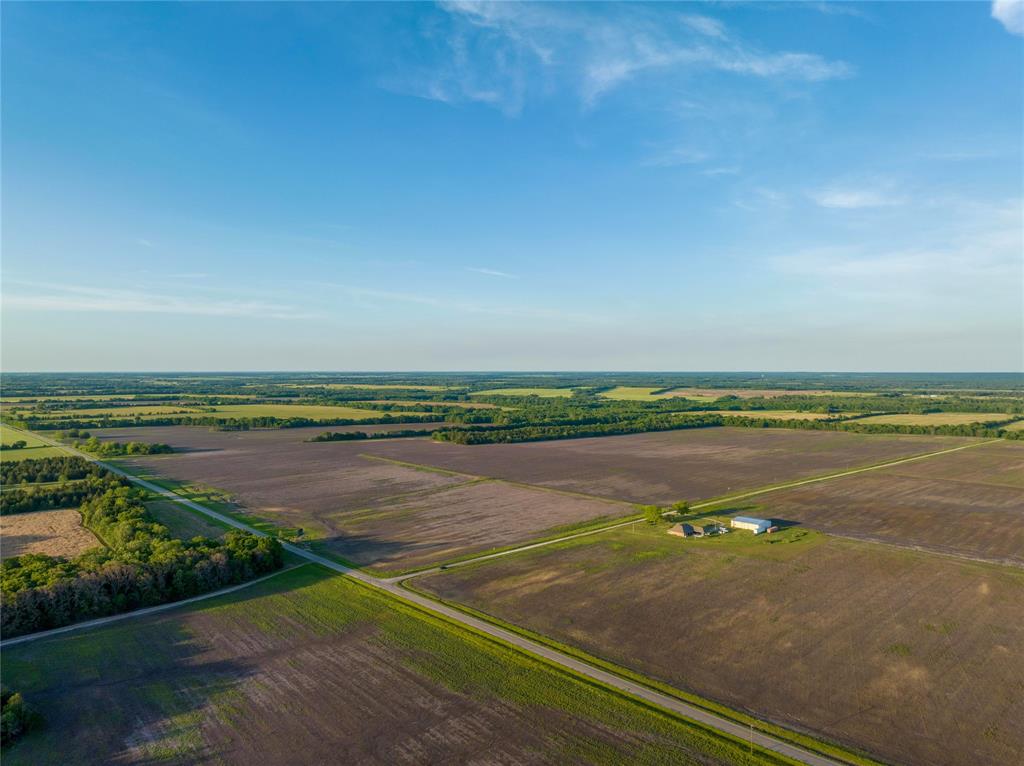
(700, 186)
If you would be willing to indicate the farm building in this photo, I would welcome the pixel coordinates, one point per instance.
(681, 530)
(757, 526)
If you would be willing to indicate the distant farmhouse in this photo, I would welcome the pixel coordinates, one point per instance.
(757, 526)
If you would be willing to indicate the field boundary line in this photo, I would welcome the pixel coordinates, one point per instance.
(148, 610)
(659, 687)
(587, 672)
(694, 507)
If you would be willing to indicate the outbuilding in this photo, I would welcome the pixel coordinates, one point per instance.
(757, 526)
(681, 530)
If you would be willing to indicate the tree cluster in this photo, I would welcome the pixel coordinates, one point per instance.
(60, 468)
(141, 566)
(348, 436)
(25, 499)
(117, 449)
(16, 717)
(546, 432)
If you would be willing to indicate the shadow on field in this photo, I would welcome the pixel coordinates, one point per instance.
(134, 693)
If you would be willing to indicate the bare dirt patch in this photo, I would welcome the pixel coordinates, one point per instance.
(436, 525)
(368, 511)
(781, 629)
(668, 466)
(54, 532)
(967, 503)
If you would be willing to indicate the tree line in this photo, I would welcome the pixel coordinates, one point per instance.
(210, 421)
(348, 436)
(546, 433)
(141, 566)
(59, 468)
(25, 499)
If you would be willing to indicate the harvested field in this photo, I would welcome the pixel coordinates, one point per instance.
(314, 668)
(54, 532)
(968, 503)
(937, 418)
(437, 525)
(667, 466)
(369, 512)
(935, 676)
(182, 522)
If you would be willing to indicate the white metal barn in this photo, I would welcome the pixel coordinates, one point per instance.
(757, 526)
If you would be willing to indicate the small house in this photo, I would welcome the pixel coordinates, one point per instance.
(757, 526)
(681, 530)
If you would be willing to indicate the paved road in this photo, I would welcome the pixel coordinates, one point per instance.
(554, 656)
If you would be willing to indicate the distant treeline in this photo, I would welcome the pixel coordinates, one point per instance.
(506, 435)
(349, 436)
(25, 499)
(219, 424)
(19, 444)
(60, 468)
(545, 432)
(142, 566)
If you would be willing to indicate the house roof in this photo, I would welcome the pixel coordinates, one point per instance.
(750, 520)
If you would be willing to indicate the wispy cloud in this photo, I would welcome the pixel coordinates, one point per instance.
(1010, 13)
(868, 194)
(493, 272)
(501, 53)
(144, 242)
(374, 295)
(41, 296)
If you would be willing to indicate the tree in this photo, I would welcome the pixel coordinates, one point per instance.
(652, 514)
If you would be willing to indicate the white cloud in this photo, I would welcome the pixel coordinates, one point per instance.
(1009, 13)
(705, 25)
(60, 297)
(856, 197)
(493, 273)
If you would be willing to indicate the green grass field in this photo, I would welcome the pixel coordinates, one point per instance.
(184, 523)
(175, 686)
(936, 418)
(36, 447)
(1018, 426)
(524, 392)
(633, 393)
(149, 412)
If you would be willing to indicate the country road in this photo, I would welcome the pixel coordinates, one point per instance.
(393, 586)
(743, 733)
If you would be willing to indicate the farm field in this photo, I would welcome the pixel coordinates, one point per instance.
(524, 392)
(778, 414)
(633, 393)
(1017, 426)
(35, 447)
(370, 512)
(937, 418)
(53, 532)
(381, 387)
(667, 466)
(440, 524)
(968, 503)
(315, 664)
(183, 523)
(757, 623)
(119, 411)
(313, 411)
